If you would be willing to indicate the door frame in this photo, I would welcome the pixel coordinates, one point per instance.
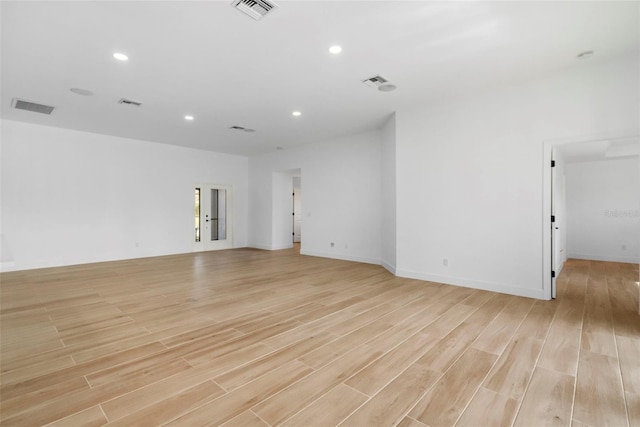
(554, 216)
(297, 217)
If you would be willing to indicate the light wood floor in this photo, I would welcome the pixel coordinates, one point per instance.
(256, 338)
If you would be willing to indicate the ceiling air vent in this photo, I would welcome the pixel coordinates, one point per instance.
(240, 128)
(20, 104)
(375, 81)
(126, 101)
(256, 9)
(380, 83)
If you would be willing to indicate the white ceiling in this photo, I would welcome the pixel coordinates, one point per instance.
(207, 59)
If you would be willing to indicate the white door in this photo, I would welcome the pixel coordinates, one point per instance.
(213, 217)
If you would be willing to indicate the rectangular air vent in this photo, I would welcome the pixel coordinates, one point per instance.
(20, 104)
(241, 128)
(256, 9)
(126, 101)
(375, 81)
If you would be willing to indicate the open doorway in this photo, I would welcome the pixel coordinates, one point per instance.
(287, 209)
(591, 202)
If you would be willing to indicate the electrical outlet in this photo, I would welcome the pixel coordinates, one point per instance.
(624, 247)
(445, 262)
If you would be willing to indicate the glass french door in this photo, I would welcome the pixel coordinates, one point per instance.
(213, 217)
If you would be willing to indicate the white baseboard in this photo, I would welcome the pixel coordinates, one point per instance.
(455, 281)
(283, 246)
(259, 246)
(475, 284)
(390, 268)
(342, 257)
(270, 247)
(7, 266)
(609, 258)
(560, 267)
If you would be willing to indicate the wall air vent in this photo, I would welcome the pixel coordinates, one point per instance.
(20, 104)
(380, 83)
(256, 9)
(240, 128)
(126, 101)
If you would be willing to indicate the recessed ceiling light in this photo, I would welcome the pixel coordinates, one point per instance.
(296, 113)
(335, 49)
(585, 55)
(120, 56)
(189, 118)
(82, 92)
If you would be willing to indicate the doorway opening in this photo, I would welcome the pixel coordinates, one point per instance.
(557, 234)
(286, 220)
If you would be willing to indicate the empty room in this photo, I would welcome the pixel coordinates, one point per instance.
(320, 213)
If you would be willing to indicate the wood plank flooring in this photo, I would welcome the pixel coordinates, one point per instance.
(257, 338)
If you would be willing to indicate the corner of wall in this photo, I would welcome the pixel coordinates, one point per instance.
(389, 267)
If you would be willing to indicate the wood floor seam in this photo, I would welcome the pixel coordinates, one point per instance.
(259, 417)
(480, 384)
(575, 381)
(103, 413)
(535, 365)
(624, 395)
(422, 395)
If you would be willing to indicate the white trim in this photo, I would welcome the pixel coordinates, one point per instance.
(270, 247)
(609, 258)
(7, 266)
(260, 246)
(546, 195)
(82, 262)
(390, 268)
(475, 284)
(342, 257)
(283, 246)
(560, 267)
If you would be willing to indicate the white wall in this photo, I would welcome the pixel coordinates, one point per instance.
(388, 196)
(341, 197)
(603, 210)
(470, 173)
(72, 197)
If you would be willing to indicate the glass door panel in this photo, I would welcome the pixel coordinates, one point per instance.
(213, 217)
